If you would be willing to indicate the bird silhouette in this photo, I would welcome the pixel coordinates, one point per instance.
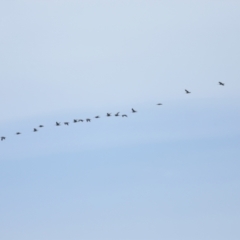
(35, 130)
(187, 92)
(88, 120)
(134, 111)
(18, 133)
(108, 114)
(117, 114)
(3, 138)
(75, 120)
(58, 123)
(80, 120)
(159, 104)
(41, 126)
(66, 123)
(220, 83)
(97, 117)
(124, 115)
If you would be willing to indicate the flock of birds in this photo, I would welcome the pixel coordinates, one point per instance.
(89, 120)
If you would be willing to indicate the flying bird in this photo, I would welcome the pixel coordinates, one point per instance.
(41, 126)
(187, 92)
(57, 123)
(80, 120)
(124, 115)
(18, 133)
(66, 123)
(88, 120)
(97, 117)
(35, 130)
(3, 138)
(159, 104)
(134, 111)
(75, 120)
(117, 114)
(220, 83)
(108, 114)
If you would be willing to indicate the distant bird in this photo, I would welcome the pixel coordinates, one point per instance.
(220, 83)
(187, 92)
(75, 120)
(124, 115)
(108, 114)
(35, 130)
(159, 104)
(97, 117)
(88, 120)
(58, 123)
(41, 126)
(117, 114)
(18, 133)
(134, 111)
(66, 123)
(3, 138)
(80, 120)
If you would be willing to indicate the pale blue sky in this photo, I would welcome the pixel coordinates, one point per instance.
(168, 172)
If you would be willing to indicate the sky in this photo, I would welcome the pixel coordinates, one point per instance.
(166, 172)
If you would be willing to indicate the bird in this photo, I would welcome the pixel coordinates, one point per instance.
(80, 120)
(97, 117)
(41, 126)
(124, 115)
(187, 92)
(75, 120)
(3, 138)
(35, 130)
(159, 104)
(66, 123)
(58, 123)
(134, 111)
(117, 114)
(88, 120)
(220, 83)
(18, 133)
(108, 114)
